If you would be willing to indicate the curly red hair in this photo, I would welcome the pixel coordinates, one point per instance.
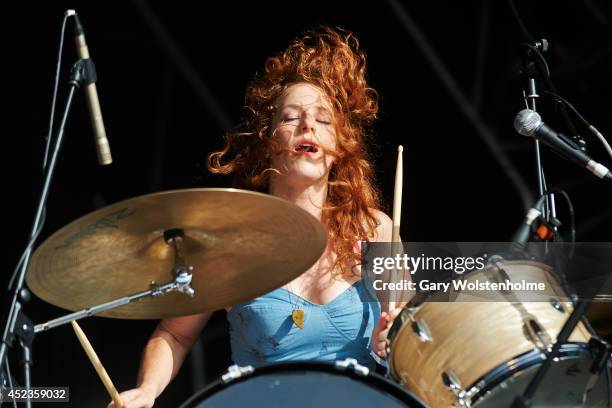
(333, 61)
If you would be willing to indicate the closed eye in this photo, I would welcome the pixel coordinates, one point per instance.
(289, 119)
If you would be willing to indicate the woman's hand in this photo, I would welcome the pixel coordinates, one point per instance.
(381, 331)
(140, 397)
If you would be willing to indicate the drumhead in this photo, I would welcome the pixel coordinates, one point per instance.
(305, 384)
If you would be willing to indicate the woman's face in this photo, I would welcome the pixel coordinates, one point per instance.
(303, 133)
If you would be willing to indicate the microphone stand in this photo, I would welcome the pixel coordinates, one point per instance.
(598, 348)
(531, 95)
(17, 324)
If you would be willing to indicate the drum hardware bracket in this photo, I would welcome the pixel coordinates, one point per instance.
(181, 283)
(450, 379)
(24, 333)
(419, 326)
(354, 365)
(181, 271)
(24, 330)
(536, 334)
(558, 306)
(235, 371)
(421, 329)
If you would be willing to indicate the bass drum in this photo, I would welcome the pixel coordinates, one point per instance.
(303, 385)
(483, 354)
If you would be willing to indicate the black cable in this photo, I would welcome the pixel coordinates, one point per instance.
(541, 61)
(585, 122)
(540, 56)
(48, 139)
(569, 105)
(55, 88)
(10, 380)
(28, 247)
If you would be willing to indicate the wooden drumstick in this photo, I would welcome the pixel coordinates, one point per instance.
(397, 214)
(93, 357)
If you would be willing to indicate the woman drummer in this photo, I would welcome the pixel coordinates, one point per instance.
(303, 139)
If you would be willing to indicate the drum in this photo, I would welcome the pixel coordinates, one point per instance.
(303, 384)
(485, 353)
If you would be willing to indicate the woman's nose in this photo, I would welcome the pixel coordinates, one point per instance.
(307, 123)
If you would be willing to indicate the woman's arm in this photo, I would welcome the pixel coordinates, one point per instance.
(162, 358)
(384, 233)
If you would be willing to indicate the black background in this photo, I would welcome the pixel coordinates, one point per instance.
(160, 129)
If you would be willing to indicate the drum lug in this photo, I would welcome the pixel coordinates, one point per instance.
(558, 306)
(453, 383)
(421, 329)
(352, 363)
(451, 380)
(235, 371)
(536, 334)
(419, 326)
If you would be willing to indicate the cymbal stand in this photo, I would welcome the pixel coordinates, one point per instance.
(181, 283)
(16, 323)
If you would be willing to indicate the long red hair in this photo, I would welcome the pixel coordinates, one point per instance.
(332, 60)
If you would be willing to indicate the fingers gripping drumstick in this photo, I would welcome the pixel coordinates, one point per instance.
(93, 357)
(397, 215)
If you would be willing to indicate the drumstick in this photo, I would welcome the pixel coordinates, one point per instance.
(93, 357)
(397, 195)
(397, 214)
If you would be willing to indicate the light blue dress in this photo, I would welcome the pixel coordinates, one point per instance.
(262, 330)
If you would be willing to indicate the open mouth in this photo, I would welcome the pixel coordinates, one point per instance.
(305, 147)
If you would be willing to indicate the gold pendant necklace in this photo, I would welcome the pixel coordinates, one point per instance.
(297, 315)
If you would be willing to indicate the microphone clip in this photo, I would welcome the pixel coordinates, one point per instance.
(83, 72)
(544, 230)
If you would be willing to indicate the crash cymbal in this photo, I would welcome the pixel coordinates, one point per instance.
(241, 244)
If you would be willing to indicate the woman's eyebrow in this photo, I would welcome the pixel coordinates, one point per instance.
(298, 106)
(293, 106)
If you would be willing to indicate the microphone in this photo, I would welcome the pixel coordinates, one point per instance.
(91, 94)
(529, 123)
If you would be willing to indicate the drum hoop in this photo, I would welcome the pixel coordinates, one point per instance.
(373, 378)
(524, 361)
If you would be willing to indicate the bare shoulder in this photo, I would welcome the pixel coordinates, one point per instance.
(384, 229)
